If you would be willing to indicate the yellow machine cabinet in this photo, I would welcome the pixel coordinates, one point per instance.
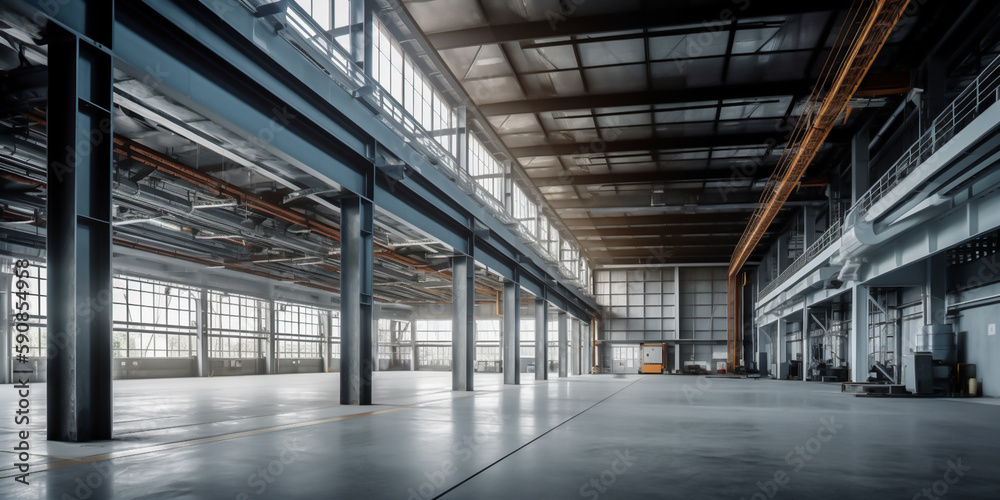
(654, 358)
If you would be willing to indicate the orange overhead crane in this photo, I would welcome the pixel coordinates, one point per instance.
(866, 29)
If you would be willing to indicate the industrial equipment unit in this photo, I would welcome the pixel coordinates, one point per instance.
(654, 358)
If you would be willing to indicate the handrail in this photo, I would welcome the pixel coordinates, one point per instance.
(981, 93)
(359, 83)
(827, 239)
(304, 34)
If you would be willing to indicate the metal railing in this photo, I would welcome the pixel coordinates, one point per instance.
(308, 38)
(980, 94)
(831, 235)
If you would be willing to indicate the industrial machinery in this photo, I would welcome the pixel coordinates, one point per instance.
(828, 348)
(654, 358)
(929, 370)
(918, 373)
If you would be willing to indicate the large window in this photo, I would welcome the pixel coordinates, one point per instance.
(334, 335)
(488, 345)
(527, 338)
(569, 257)
(299, 333)
(408, 86)
(154, 319)
(548, 236)
(319, 10)
(333, 17)
(639, 304)
(486, 171)
(433, 330)
(407, 93)
(395, 351)
(34, 295)
(525, 210)
(434, 344)
(237, 326)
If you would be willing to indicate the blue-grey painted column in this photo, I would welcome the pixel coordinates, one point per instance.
(806, 354)
(324, 328)
(563, 343)
(511, 332)
(270, 347)
(574, 351)
(858, 342)
(541, 339)
(376, 314)
(78, 246)
(357, 254)
(6, 325)
(414, 358)
(201, 324)
(463, 286)
(781, 342)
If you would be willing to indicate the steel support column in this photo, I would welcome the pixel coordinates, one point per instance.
(270, 349)
(6, 325)
(356, 249)
(858, 342)
(677, 358)
(782, 357)
(574, 346)
(201, 324)
(325, 333)
(78, 248)
(511, 332)
(414, 359)
(463, 343)
(541, 339)
(563, 344)
(376, 314)
(805, 343)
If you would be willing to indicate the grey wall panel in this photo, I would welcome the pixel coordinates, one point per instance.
(975, 344)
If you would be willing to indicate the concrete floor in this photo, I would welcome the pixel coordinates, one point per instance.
(282, 437)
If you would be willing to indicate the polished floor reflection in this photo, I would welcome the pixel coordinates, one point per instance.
(283, 437)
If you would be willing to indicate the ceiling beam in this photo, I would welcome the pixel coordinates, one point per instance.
(679, 220)
(558, 25)
(647, 98)
(716, 254)
(657, 176)
(585, 235)
(659, 143)
(673, 241)
(641, 200)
